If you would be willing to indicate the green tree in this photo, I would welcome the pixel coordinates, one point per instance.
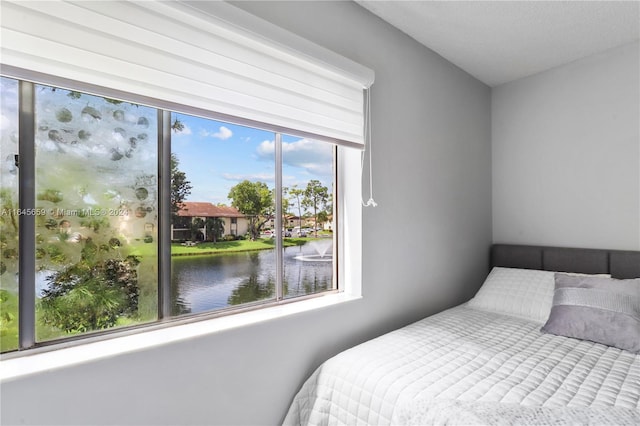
(8, 233)
(196, 225)
(91, 295)
(328, 207)
(215, 228)
(323, 216)
(255, 200)
(315, 197)
(177, 126)
(180, 187)
(327, 212)
(296, 195)
(8, 205)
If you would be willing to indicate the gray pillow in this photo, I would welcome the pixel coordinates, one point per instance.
(602, 310)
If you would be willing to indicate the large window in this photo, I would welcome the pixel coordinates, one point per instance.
(166, 160)
(117, 214)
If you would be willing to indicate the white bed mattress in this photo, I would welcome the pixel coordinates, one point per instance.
(471, 366)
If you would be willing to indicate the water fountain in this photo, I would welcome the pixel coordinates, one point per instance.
(321, 247)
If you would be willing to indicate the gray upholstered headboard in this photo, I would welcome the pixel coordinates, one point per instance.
(619, 263)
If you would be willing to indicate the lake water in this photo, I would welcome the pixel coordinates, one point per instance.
(205, 283)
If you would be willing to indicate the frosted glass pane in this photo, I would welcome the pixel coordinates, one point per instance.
(96, 241)
(8, 215)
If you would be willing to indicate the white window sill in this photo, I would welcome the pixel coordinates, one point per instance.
(67, 356)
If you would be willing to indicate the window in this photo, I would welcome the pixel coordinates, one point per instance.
(232, 176)
(115, 135)
(97, 212)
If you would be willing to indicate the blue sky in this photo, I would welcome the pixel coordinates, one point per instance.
(216, 156)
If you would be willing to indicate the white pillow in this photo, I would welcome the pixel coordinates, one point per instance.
(525, 293)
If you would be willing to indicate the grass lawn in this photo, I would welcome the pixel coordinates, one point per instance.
(234, 246)
(9, 300)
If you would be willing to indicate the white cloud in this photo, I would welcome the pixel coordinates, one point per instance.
(5, 123)
(262, 177)
(223, 133)
(316, 158)
(290, 180)
(266, 150)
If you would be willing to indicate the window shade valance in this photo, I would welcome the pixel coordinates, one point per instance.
(206, 55)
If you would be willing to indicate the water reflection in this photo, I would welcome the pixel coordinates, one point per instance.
(204, 283)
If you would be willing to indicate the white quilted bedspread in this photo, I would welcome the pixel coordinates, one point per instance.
(468, 366)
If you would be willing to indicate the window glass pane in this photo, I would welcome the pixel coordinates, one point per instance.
(308, 180)
(223, 250)
(96, 180)
(8, 215)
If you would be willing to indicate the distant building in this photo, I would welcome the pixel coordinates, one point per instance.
(234, 222)
(328, 225)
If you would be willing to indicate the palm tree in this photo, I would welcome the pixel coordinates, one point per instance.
(315, 197)
(215, 228)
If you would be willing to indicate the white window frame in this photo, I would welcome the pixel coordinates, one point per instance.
(347, 263)
(121, 342)
(30, 64)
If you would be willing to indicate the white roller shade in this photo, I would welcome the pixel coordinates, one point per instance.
(206, 55)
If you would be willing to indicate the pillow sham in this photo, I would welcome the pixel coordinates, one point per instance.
(525, 293)
(598, 309)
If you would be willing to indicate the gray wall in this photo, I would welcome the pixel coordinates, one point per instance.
(566, 154)
(425, 249)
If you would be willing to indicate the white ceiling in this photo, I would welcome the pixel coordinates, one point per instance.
(501, 41)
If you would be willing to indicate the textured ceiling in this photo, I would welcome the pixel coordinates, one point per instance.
(501, 41)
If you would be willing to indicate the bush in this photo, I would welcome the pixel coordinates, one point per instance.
(87, 297)
(229, 237)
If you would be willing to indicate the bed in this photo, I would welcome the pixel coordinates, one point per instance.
(500, 358)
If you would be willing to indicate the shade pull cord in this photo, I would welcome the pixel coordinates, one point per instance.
(367, 148)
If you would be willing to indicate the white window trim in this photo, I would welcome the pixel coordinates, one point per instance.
(69, 356)
(327, 65)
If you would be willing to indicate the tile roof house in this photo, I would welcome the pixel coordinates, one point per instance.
(235, 223)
